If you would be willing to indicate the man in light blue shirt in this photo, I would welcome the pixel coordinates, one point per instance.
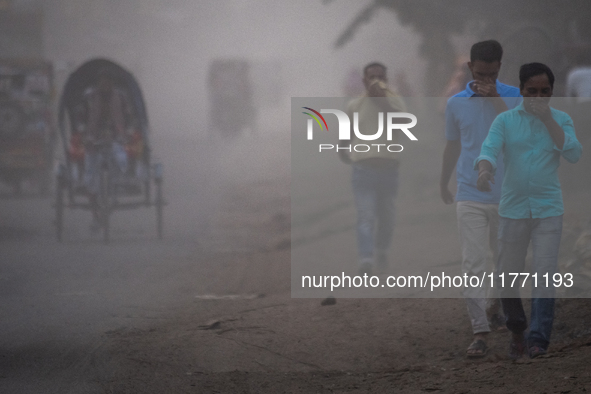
(469, 115)
(532, 137)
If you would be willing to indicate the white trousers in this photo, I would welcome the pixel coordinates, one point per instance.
(478, 224)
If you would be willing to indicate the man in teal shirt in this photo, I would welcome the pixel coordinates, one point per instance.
(532, 137)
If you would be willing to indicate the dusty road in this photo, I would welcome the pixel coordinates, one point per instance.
(209, 310)
(57, 301)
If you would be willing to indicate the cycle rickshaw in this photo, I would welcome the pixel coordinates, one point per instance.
(139, 186)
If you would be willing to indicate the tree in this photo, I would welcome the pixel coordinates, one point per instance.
(549, 31)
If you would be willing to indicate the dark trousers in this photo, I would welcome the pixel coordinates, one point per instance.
(514, 238)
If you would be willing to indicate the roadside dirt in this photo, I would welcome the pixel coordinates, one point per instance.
(243, 333)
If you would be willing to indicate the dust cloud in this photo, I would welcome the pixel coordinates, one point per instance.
(170, 46)
(227, 173)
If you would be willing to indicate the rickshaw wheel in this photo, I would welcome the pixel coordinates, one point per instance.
(59, 209)
(159, 208)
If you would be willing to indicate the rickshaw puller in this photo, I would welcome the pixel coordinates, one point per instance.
(107, 107)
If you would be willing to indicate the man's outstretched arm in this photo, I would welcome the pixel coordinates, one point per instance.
(486, 163)
(485, 176)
